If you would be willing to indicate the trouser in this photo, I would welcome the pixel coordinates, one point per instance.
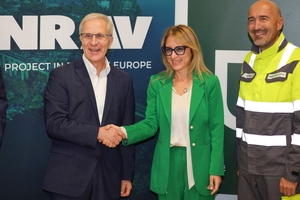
(178, 181)
(257, 187)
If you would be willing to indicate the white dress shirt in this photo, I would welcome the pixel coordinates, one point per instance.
(99, 84)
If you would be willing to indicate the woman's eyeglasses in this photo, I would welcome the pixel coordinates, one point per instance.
(179, 50)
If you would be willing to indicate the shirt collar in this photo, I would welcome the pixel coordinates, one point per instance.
(92, 70)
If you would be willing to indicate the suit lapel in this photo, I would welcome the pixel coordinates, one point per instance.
(110, 90)
(198, 91)
(166, 97)
(82, 73)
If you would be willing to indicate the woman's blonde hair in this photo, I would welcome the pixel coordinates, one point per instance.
(185, 36)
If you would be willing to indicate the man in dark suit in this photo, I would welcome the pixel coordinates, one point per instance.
(80, 99)
(3, 106)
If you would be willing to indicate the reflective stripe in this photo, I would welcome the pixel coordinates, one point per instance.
(289, 49)
(252, 59)
(296, 139)
(297, 105)
(239, 132)
(269, 107)
(264, 140)
(286, 55)
(240, 102)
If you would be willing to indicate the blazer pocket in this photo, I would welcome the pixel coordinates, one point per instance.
(63, 150)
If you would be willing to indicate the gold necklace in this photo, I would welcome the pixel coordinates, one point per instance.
(185, 89)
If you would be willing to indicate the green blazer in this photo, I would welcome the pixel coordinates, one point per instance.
(206, 130)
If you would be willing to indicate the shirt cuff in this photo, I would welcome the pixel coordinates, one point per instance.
(124, 131)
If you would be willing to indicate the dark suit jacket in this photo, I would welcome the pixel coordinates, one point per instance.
(3, 106)
(72, 123)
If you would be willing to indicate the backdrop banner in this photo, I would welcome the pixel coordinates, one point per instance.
(37, 36)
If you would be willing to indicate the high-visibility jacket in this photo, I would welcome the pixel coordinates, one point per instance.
(268, 111)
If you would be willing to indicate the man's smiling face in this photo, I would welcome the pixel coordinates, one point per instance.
(95, 49)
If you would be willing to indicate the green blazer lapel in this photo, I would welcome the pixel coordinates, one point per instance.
(166, 97)
(198, 91)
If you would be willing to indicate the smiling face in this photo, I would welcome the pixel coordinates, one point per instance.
(95, 49)
(264, 23)
(179, 63)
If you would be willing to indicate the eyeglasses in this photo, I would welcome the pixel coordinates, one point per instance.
(99, 36)
(179, 50)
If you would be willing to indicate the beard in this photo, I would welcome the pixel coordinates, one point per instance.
(259, 37)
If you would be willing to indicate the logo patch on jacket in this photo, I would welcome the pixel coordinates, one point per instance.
(275, 77)
(248, 75)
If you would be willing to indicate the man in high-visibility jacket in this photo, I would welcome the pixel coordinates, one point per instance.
(268, 110)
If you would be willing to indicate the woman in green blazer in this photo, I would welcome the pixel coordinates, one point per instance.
(185, 109)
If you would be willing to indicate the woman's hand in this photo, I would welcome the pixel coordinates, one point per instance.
(214, 183)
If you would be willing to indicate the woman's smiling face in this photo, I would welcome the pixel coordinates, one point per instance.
(178, 62)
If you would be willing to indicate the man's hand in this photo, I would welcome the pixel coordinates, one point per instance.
(126, 187)
(110, 135)
(287, 188)
(214, 183)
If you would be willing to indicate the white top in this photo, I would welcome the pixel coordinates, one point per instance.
(180, 118)
(180, 135)
(99, 84)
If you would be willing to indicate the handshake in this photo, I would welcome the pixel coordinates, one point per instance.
(110, 135)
